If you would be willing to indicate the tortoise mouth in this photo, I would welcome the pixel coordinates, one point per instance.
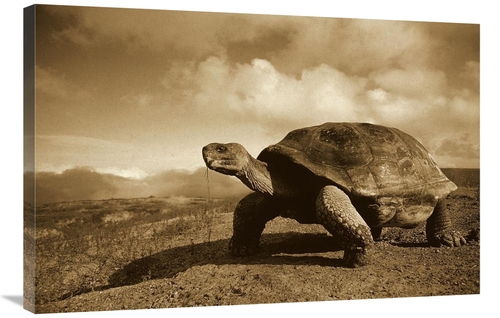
(223, 166)
(224, 170)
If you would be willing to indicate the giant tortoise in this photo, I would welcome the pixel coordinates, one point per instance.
(352, 178)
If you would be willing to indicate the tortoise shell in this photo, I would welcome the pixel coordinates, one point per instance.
(364, 160)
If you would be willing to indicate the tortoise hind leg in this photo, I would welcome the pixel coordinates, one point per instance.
(439, 229)
(376, 233)
(250, 217)
(339, 217)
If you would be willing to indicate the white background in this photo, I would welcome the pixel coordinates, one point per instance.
(483, 12)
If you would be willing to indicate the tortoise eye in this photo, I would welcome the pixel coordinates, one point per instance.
(221, 149)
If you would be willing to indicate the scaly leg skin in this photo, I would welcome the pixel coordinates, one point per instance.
(339, 217)
(250, 217)
(439, 229)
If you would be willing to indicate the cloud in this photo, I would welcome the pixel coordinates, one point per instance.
(470, 74)
(256, 104)
(74, 184)
(459, 152)
(193, 34)
(53, 152)
(84, 183)
(140, 101)
(54, 84)
(354, 46)
(414, 82)
(166, 83)
(196, 184)
(415, 100)
(463, 147)
(290, 43)
(471, 70)
(130, 173)
(50, 83)
(258, 92)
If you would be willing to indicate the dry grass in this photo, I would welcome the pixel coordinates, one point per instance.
(80, 244)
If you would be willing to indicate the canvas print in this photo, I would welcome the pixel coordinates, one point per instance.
(181, 159)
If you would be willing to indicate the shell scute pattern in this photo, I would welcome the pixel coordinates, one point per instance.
(297, 135)
(377, 133)
(342, 144)
(362, 158)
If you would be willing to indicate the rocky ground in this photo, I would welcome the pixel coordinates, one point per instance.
(297, 263)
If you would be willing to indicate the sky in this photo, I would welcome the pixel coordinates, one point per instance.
(129, 97)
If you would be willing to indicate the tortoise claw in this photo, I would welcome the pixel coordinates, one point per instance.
(451, 239)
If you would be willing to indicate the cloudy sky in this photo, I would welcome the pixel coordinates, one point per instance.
(132, 96)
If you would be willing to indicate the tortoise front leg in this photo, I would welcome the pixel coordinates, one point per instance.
(339, 217)
(439, 229)
(250, 218)
(376, 233)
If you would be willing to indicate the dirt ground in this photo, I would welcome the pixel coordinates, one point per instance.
(297, 263)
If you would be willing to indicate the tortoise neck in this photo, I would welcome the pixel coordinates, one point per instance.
(256, 176)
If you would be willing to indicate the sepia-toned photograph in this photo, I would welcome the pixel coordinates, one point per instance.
(198, 159)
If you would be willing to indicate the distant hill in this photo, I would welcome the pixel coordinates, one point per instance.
(462, 177)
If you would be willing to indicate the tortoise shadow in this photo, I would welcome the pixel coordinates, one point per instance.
(276, 249)
(410, 244)
(291, 248)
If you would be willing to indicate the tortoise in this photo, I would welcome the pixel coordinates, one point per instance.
(352, 178)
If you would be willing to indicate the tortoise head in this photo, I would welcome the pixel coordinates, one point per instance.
(228, 159)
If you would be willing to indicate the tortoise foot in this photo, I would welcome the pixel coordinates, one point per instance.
(239, 247)
(449, 238)
(357, 257)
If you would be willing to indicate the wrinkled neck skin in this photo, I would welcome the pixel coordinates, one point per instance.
(256, 176)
